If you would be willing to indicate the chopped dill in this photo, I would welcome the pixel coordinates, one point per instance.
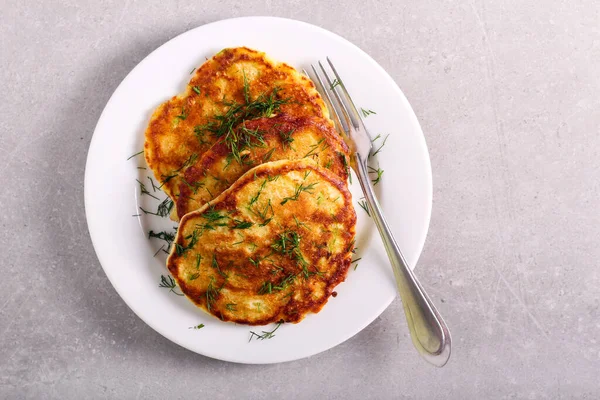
(239, 224)
(154, 187)
(168, 237)
(136, 154)
(183, 115)
(313, 148)
(345, 165)
(212, 293)
(191, 160)
(222, 126)
(366, 113)
(288, 244)
(144, 191)
(373, 154)
(265, 334)
(299, 189)
(364, 206)
(257, 195)
(193, 239)
(215, 265)
(266, 287)
(199, 326)
(335, 83)
(196, 89)
(163, 210)
(268, 155)
(286, 138)
(377, 171)
(231, 307)
(168, 282)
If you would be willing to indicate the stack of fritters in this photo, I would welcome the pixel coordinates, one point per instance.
(259, 178)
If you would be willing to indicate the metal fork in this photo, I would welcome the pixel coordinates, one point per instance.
(428, 331)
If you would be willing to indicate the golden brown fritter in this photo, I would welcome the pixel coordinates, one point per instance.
(236, 84)
(268, 139)
(270, 248)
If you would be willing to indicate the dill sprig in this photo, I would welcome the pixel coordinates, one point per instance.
(288, 244)
(377, 171)
(363, 204)
(168, 237)
(196, 89)
(374, 153)
(168, 282)
(183, 114)
(144, 191)
(263, 213)
(299, 189)
(268, 155)
(286, 137)
(239, 224)
(193, 239)
(265, 334)
(212, 293)
(154, 187)
(335, 83)
(215, 265)
(136, 154)
(366, 113)
(313, 148)
(268, 287)
(254, 198)
(222, 126)
(191, 160)
(163, 210)
(345, 165)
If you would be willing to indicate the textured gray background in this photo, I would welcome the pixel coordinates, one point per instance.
(507, 93)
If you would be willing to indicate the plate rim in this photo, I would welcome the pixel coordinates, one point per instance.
(93, 142)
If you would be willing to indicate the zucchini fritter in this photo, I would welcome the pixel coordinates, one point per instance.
(236, 84)
(270, 248)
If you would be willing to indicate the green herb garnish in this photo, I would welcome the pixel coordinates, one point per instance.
(265, 334)
(364, 206)
(163, 210)
(366, 113)
(168, 282)
(239, 224)
(200, 326)
(144, 191)
(136, 154)
(183, 115)
(299, 189)
(382, 144)
(377, 171)
(191, 160)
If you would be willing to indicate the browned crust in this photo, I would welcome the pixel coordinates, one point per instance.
(309, 295)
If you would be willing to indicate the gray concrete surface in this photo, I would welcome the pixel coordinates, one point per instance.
(508, 95)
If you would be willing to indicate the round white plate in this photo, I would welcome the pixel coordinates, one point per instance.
(112, 195)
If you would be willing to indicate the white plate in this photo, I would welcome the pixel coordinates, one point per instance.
(112, 195)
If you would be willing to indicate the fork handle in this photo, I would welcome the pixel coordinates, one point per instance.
(428, 331)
